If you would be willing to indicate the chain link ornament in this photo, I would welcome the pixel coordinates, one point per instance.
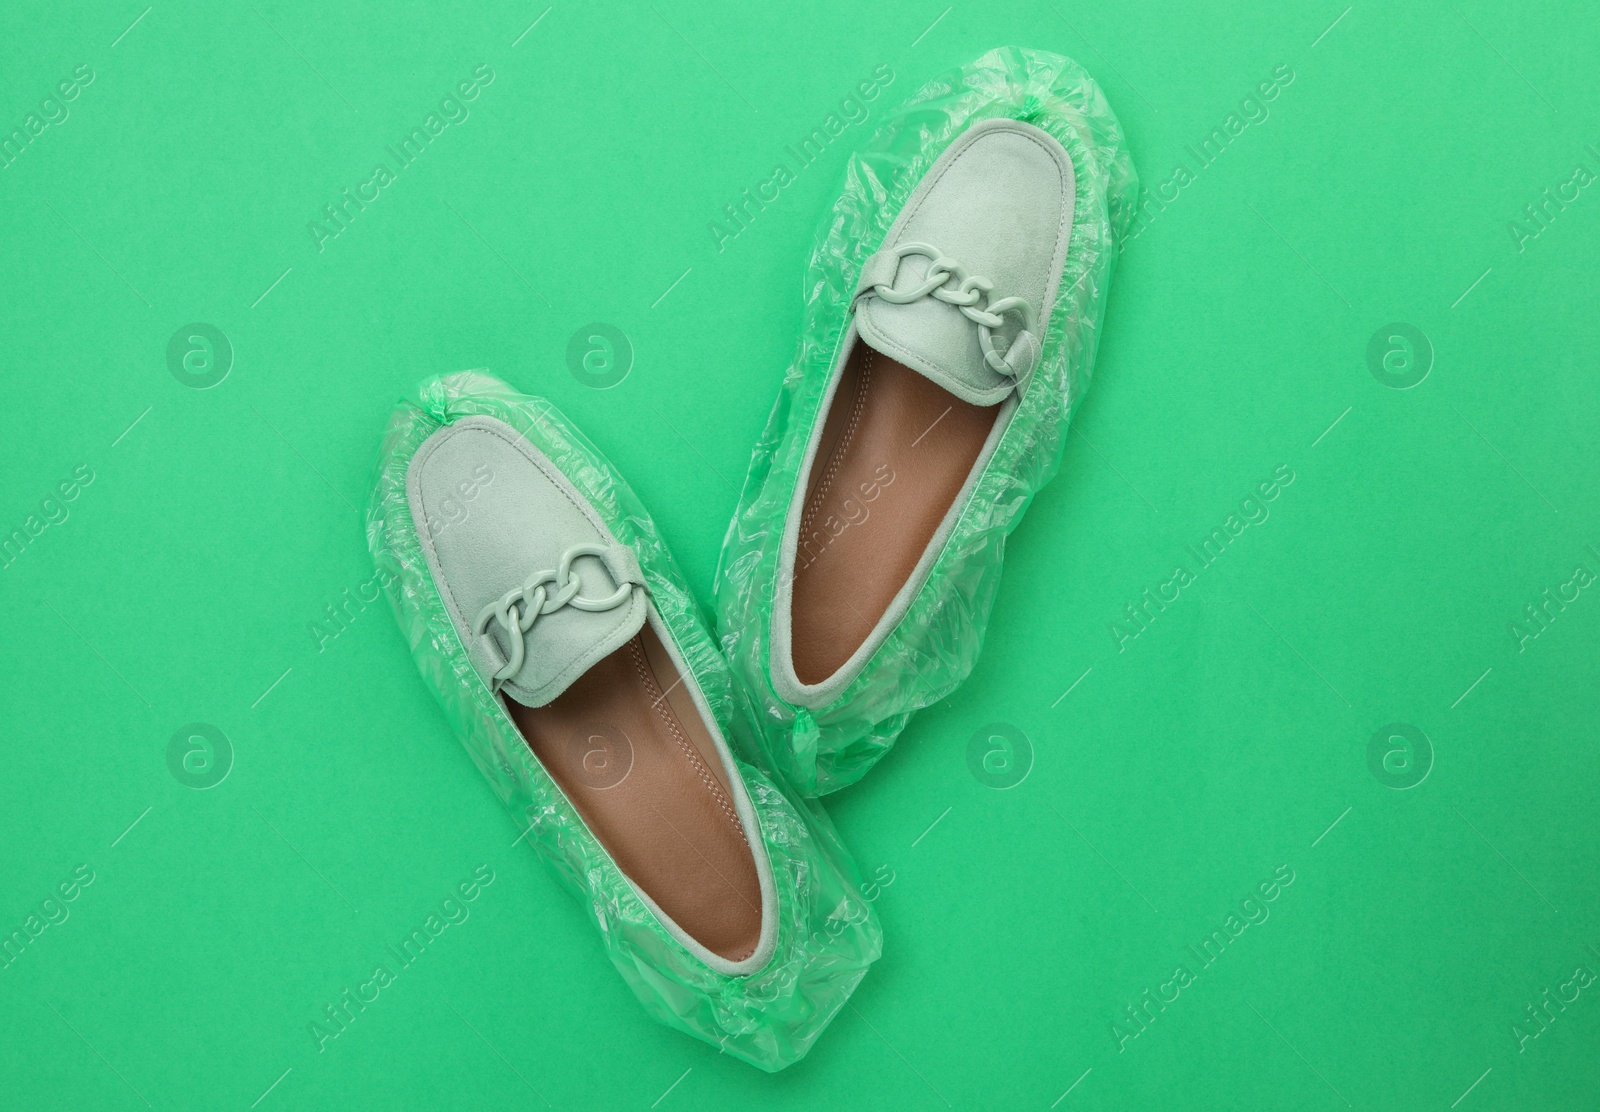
(542, 593)
(970, 294)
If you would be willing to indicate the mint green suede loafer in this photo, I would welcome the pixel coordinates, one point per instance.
(547, 617)
(955, 299)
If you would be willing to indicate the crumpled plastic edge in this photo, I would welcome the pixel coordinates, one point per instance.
(936, 644)
(828, 933)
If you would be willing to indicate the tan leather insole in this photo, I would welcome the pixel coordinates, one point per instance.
(642, 770)
(895, 451)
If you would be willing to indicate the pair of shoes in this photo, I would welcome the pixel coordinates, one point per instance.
(956, 298)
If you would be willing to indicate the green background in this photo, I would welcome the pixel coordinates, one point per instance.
(1228, 739)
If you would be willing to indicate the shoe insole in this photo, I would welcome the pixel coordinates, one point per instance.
(895, 451)
(627, 745)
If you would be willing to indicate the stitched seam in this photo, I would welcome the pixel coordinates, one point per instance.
(440, 581)
(959, 509)
(981, 398)
(664, 711)
(782, 647)
(836, 457)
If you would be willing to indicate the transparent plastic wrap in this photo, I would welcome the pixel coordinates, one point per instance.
(827, 932)
(933, 648)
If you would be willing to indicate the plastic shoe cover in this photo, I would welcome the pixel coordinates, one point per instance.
(935, 643)
(827, 934)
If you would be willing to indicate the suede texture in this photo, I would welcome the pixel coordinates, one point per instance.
(522, 516)
(999, 202)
